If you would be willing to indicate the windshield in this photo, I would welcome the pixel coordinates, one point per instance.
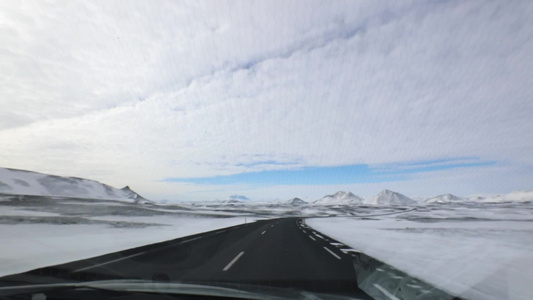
(262, 149)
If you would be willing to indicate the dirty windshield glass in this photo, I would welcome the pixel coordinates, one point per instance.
(266, 149)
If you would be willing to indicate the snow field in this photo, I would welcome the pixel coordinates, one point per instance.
(476, 260)
(29, 246)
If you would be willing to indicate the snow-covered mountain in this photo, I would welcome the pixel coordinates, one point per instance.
(387, 197)
(339, 198)
(446, 198)
(130, 194)
(295, 202)
(237, 198)
(21, 182)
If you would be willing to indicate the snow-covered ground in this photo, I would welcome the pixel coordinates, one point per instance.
(477, 251)
(477, 247)
(39, 231)
(29, 246)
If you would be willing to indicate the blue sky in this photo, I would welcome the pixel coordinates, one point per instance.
(198, 101)
(335, 175)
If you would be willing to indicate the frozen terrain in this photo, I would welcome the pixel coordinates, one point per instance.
(28, 246)
(478, 251)
(38, 231)
(478, 247)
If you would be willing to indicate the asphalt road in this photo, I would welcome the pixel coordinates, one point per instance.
(273, 253)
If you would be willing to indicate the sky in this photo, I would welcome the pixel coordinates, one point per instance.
(199, 100)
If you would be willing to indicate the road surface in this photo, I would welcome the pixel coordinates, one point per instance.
(273, 253)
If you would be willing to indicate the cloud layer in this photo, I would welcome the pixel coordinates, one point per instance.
(133, 93)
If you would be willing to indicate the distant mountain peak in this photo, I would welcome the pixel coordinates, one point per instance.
(133, 195)
(296, 201)
(238, 198)
(444, 198)
(340, 198)
(388, 197)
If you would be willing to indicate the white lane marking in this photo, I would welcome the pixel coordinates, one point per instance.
(350, 251)
(338, 245)
(385, 292)
(332, 253)
(318, 235)
(263, 232)
(233, 261)
(304, 231)
(194, 239)
(108, 262)
(312, 238)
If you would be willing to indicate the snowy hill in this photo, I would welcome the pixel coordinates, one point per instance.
(295, 202)
(517, 196)
(446, 198)
(130, 194)
(230, 202)
(20, 182)
(237, 198)
(339, 198)
(387, 197)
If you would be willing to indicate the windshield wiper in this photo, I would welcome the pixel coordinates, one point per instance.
(166, 288)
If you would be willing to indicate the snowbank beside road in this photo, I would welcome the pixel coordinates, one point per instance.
(472, 259)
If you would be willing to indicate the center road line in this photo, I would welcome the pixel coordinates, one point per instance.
(233, 261)
(332, 253)
(263, 232)
(312, 238)
(108, 262)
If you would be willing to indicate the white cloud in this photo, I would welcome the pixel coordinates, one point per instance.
(131, 93)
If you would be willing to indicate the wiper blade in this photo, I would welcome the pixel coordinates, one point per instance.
(146, 286)
(176, 288)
